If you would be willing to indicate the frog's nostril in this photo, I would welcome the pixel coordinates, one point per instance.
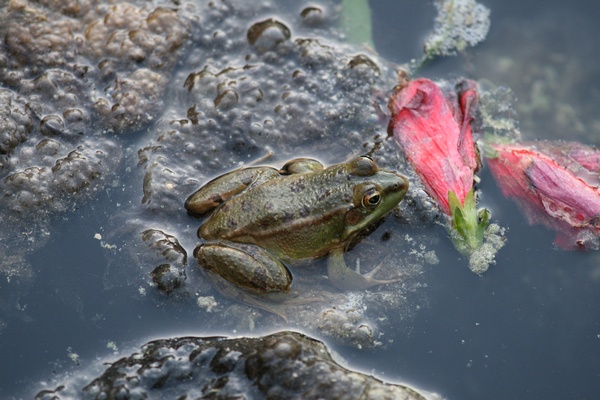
(399, 186)
(404, 184)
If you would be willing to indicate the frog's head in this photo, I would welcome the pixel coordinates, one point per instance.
(375, 193)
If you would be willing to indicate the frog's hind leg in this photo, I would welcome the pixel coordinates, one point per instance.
(231, 291)
(274, 303)
(246, 265)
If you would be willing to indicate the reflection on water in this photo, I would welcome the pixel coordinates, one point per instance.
(528, 328)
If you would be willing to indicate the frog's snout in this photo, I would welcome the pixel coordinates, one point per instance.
(402, 185)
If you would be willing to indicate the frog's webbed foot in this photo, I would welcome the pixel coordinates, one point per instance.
(344, 278)
(278, 303)
(369, 276)
(274, 303)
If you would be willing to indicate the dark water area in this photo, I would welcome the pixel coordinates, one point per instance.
(529, 328)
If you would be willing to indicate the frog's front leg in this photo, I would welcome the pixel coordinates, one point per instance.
(246, 265)
(215, 192)
(344, 278)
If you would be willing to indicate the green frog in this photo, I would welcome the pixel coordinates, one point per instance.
(261, 218)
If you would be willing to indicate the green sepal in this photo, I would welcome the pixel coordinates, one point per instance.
(468, 224)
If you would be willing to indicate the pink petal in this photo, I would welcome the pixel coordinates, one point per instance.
(563, 195)
(469, 99)
(541, 177)
(439, 146)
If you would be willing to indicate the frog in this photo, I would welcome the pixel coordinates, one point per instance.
(259, 220)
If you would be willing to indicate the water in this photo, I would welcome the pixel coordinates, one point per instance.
(529, 328)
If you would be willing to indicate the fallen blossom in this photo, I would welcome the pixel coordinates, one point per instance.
(434, 131)
(555, 184)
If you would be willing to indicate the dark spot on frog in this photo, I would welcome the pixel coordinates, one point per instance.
(268, 206)
(298, 186)
(267, 222)
(231, 224)
(323, 194)
(386, 236)
(348, 199)
(288, 216)
(353, 217)
(247, 180)
(217, 199)
(246, 206)
(304, 212)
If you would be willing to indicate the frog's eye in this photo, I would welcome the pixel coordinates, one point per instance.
(371, 198)
(363, 166)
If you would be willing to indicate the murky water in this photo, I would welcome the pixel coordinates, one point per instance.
(529, 328)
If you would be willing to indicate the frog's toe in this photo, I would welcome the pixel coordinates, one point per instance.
(370, 277)
(356, 281)
(370, 280)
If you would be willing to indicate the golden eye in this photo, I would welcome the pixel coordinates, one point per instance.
(371, 198)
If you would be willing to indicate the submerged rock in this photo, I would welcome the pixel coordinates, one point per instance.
(110, 61)
(81, 73)
(71, 76)
(285, 365)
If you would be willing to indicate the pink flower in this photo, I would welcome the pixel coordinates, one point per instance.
(556, 185)
(435, 133)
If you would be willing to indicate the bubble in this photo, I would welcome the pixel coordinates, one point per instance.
(226, 99)
(312, 16)
(52, 125)
(266, 35)
(9, 139)
(362, 60)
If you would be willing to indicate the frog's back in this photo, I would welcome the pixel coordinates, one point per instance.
(297, 216)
